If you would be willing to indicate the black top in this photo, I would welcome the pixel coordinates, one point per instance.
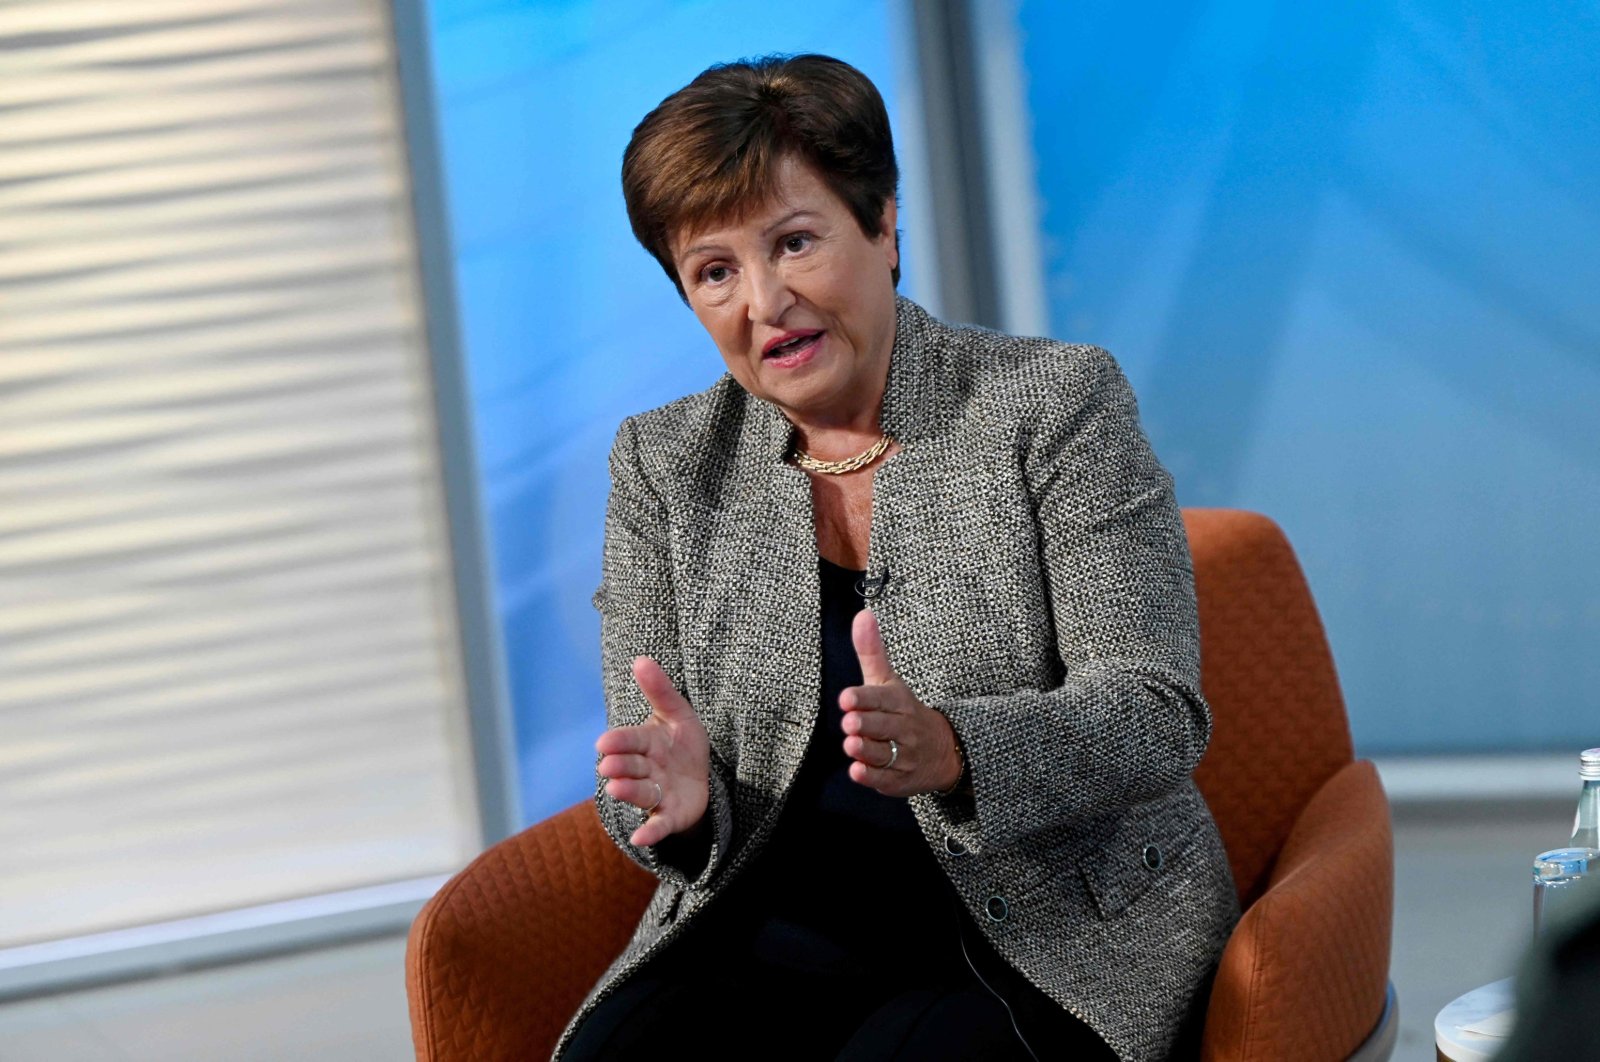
(846, 883)
(847, 890)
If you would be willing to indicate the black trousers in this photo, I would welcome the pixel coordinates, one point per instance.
(780, 996)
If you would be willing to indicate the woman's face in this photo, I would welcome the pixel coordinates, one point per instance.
(799, 300)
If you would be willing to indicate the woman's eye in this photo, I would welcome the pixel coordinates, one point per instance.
(796, 242)
(715, 274)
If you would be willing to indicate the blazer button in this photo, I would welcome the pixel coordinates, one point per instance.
(997, 909)
(953, 846)
(1152, 857)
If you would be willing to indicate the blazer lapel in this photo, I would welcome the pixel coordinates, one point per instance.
(777, 622)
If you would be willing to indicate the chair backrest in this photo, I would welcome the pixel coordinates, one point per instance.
(500, 958)
(1279, 723)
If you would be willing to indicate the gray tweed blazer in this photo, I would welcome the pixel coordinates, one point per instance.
(1036, 589)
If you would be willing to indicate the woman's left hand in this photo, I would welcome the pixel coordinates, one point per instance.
(925, 756)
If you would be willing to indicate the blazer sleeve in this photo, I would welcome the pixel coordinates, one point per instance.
(1128, 721)
(638, 617)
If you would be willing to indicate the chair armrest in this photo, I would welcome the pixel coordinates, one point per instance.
(1305, 974)
(500, 958)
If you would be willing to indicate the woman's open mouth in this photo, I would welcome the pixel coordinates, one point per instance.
(794, 350)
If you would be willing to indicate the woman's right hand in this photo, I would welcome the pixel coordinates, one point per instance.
(669, 750)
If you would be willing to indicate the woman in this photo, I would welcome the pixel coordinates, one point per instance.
(956, 824)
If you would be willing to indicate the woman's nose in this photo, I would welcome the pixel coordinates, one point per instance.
(770, 296)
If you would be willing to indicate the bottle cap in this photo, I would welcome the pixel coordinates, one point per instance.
(1589, 765)
(1563, 864)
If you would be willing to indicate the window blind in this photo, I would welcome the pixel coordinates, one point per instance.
(230, 666)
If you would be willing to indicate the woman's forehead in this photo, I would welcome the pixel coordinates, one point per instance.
(796, 190)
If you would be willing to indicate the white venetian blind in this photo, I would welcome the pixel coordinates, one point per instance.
(229, 663)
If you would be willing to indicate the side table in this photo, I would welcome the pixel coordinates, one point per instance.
(1473, 1027)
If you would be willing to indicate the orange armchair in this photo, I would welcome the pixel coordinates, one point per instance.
(1305, 976)
(499, 959)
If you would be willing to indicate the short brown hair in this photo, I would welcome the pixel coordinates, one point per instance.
(710, 151)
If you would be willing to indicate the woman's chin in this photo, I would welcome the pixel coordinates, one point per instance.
(797, 384)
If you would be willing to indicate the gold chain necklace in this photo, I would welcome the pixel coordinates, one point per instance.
(849, 464)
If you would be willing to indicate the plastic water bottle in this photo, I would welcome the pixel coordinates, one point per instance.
(1565, 877)
(1586, 826)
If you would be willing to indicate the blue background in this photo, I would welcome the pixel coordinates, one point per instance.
(568, 325)
(1346, 253)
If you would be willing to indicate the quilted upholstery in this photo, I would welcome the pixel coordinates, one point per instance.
(502, 956)
(1307, 830)
(499, 959)
(1305, 972)
(1279, 727)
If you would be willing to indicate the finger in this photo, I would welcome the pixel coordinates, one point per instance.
(889, 783)
(622, 740)
(655, 830)
(869, 698)
(880, 726)
(642, 793)
(875, 754)
(624, 766)
(659, 690)
(868, 640)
